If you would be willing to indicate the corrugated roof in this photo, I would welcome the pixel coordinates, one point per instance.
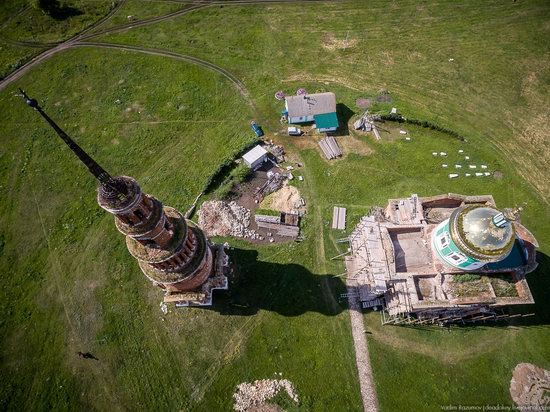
(311, 104)
(326, 120)
(257, 152)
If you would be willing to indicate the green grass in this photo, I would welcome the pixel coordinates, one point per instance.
(12, 57)
(467, 277)
(21, 22)
(496, 90)
(34, 25)
(86, 290)
(69, 284)
(140, 10)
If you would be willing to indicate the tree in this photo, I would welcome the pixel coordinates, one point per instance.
(49, 7)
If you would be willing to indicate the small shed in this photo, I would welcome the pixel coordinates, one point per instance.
(255, 157)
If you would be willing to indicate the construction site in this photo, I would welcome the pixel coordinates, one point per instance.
(441, 259)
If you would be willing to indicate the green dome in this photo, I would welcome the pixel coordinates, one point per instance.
(473, 230)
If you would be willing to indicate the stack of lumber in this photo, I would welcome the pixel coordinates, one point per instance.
(330, 148)
(339, 218)
(281, 230)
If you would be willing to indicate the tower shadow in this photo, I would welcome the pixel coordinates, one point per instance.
(288, 289)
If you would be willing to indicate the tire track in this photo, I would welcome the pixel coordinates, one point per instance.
(16, 74)
(39, 45)
(177, 56)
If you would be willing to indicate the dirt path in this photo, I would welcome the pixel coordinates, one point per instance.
(366, 381)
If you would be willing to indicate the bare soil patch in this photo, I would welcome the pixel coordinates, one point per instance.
(331, 42)
(363, 103)
(352, 144)
(283, 200)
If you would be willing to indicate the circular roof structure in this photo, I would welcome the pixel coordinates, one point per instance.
(474, 231)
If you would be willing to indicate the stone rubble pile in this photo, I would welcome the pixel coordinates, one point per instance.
(219, 218)
(249, 395)
(529, 387)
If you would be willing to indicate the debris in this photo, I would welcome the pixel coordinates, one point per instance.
(249, 396)
(467, 175)
(529, 387)
(300, 178)
(451, 60)
(443, 153)
(453, 175)
(472, 166)
(274, 182)
(289, 168)
(467, 157)
(484, 166)
(444, 165)
(393, 110)
(364, 123)
(487, 174)
(408, 139)
(460, 151)
(458, 166)
(402, 132)
(219, 218)
(290, 176)
(163, 307)
(479, 174)
(434, 154)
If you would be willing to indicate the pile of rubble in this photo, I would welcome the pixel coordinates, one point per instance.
(274, 182)
(529, 387)
(251, 395)
(219, 218)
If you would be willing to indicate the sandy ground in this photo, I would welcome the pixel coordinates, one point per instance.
(282, 200)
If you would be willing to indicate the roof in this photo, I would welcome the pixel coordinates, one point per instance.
(253, 155)
(326, 120)
(474, 231)
(311, 104)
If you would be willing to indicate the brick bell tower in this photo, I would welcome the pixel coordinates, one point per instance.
(172, 252)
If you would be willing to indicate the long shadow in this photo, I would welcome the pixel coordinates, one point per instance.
(57, 11)
(288, 289)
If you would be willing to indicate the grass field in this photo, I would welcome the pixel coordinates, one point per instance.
(68, 283)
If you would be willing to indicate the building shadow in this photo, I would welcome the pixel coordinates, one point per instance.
(344, 114)
(539, 284)
(287, 289)
(535, 315)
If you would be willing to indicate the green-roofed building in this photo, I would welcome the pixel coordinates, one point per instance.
(318, 107)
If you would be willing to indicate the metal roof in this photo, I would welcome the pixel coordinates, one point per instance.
(311, 104)
(257, 152)
(326, 120)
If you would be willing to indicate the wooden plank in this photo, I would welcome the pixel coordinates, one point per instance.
(325, 149)
(342, 218)
(335, 213)
(375, 131)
